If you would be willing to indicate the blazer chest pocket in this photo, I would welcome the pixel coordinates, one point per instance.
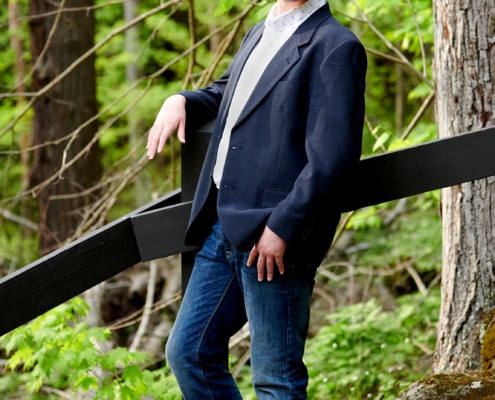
(273, 196)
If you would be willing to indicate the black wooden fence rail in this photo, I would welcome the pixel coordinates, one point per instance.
(156, 230)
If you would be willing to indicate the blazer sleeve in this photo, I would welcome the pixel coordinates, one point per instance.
(333, 139)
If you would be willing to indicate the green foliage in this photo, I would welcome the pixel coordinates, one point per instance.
(366, 352)
(59, 351)
(394, 91)
(415, 236)
(363, 350)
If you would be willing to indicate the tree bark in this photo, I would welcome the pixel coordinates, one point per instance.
(464, 69)
(60, 113)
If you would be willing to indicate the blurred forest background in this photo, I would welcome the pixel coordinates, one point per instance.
(72, 155)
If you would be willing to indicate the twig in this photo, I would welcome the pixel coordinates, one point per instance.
(418, 115)
(241, 363)
(58, 392)
(341, 228)
(33, 17)
(323, 270)
(323, 294)
(20, 220)
(423, 347)
(239, 337)
(420, 36)
(135, 317)
(399, 207)
(417, 279)
(148, 307)
(192, 37)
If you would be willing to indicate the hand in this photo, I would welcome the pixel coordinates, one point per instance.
(270, 251)
(172, 117)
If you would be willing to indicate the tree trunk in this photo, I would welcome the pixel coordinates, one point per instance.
(60, 112)
(134, 123)
(17, 44)
(464, 68)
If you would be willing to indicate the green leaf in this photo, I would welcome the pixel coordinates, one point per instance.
(86, 382)
(117, 357)
(21, 356)
(133, 374)
(382, 139)
(224, 6)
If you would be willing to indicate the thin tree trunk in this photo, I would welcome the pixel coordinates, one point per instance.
(134, 123)
(56, 41)
(464, 68)
(17, 45)
(399, 100)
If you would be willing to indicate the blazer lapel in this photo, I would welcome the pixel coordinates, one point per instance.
(282, 62)
(241, 57)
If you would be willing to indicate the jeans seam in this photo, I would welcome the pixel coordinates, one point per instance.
(289, 335)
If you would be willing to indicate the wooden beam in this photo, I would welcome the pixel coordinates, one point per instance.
(160, 233)
(157, 229)
(422, 168)
(65, 273)
(69, 271)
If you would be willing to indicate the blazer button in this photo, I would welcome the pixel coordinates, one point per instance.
(228, 187)
(236, 148)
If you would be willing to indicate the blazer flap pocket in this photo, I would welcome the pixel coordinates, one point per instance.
(273, 196)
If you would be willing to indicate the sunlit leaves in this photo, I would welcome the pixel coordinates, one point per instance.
(367, 352)
(58, 350)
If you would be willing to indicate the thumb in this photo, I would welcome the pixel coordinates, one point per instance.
(181, 132)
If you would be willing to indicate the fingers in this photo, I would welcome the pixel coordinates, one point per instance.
(270, 249)
(159, 134)
(262, 263)
(269, 265)
(252, 256)
(268, 261)
(171, 118)
(280, 265)
(181, 132)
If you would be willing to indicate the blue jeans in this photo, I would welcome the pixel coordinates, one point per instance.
(222, 294)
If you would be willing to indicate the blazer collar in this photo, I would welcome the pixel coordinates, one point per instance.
(283, 61)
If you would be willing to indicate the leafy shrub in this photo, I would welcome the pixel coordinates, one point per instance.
(366, 352)
(57, 352)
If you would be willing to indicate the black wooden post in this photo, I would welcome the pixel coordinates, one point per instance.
(193, 154)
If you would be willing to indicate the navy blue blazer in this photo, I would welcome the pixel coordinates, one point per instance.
(299, 131)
